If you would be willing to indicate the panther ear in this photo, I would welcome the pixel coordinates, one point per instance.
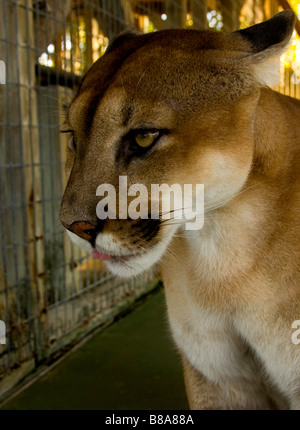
(268, 42)
(104, 69)
(123, 37)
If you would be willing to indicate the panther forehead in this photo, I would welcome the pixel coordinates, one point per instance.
(187, 61)
(130, 48)
(103, 72)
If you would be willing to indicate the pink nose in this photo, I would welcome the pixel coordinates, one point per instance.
(83, 229)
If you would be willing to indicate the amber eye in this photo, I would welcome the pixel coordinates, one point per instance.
(72, 144)
(146, 139)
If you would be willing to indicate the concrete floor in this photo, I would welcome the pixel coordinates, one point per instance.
(131, 365)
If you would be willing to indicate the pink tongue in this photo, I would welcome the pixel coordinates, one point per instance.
(100, 256)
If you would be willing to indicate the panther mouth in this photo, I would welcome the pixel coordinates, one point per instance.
(123, 262)
(113, 258)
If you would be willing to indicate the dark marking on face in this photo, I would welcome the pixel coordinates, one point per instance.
(127, 113)
(146, 230)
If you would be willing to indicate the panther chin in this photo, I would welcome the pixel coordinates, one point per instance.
(135, 264)
(117, 259)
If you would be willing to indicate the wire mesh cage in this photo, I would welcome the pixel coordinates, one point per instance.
(52, 293)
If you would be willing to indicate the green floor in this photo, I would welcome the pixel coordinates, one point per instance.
(130, 365)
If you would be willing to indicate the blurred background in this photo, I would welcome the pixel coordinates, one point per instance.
(52, 295)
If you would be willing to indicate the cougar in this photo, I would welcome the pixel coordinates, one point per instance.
(196, 107)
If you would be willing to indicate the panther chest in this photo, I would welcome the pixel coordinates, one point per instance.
(208, 343)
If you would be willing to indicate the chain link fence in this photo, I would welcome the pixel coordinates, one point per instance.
(51, 293)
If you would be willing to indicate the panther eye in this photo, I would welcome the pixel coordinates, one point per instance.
(146, 139)
(73, 144)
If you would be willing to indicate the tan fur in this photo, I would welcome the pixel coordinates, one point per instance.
(233, 288)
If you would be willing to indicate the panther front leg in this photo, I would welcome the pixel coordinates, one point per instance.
(201, 394)
(239, 394)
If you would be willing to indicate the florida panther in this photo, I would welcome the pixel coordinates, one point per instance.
(194, 107)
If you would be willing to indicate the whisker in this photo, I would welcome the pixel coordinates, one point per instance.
(143, 74)
(122, 82)
(62, 102)
(168, 251)
(209, 208)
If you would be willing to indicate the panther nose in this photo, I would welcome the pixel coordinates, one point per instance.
(83, 229)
